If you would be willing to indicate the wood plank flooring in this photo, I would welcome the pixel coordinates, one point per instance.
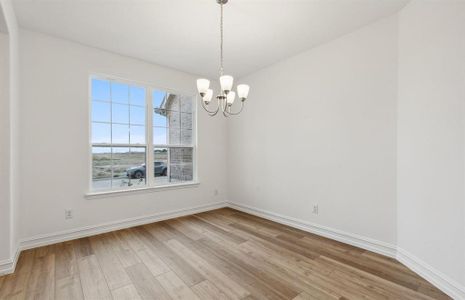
(221, 254)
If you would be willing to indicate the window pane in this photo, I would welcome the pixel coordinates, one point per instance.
(137, 115)
(174, 119)
(186, 137)
(101, 111)
(173, 102)
(120, 134)
(181, 173)
(159, 136)
(119, 116)
(186, 121)
(159, 118)
(128, 167)
(174, 136)
(181, 155)
(101, 133)
(181, 165)
(100, 90)
(137, 95)
(137, 134)
(160, 156)
(157, 99)
(119, 92)
(101, 167)
(120, 113)
(186, 104)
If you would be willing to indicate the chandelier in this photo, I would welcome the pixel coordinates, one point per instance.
(226, 97)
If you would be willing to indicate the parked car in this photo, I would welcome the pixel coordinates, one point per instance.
(160, 169)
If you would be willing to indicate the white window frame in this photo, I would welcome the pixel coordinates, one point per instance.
(149, 145)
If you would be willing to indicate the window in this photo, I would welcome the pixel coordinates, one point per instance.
(140, 136)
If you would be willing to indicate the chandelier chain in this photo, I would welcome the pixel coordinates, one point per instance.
(221, 41)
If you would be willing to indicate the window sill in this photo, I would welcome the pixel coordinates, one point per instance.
(143, 190)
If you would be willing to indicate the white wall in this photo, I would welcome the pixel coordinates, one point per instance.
(4, 150)
(319, 128)
(14, 91)
(9, 97)
(54, 149)
(431, 135)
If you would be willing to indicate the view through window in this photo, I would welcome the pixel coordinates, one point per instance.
(135, 126)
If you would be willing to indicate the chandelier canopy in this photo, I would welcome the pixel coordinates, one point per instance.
(226, 96)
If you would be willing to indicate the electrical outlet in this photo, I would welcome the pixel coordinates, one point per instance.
(68, 214)
(315, 209)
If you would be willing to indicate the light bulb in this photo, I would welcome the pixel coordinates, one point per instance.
(202, 86)
(226, 82)
(230, 98)
(243, 91)
(208, 96)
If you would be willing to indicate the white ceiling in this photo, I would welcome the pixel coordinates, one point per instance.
(184, 34)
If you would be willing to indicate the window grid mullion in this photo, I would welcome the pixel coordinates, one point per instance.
(108, 101)
(150, 175)
(111, 134)
(129, 119)
(149, 145)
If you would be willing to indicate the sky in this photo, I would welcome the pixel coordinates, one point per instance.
(124, 106)
(118, 116)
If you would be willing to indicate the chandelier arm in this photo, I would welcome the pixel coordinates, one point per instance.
(237, 112)
(213, 112)
(224, 106)
(225, 113)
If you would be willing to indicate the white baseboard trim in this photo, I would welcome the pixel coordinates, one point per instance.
(62, 236)
(7, 266)
(435, 277)
(335, 234)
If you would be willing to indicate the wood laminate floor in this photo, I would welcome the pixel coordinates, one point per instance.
(221, 254)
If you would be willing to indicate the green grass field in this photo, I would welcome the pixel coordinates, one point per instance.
(104, 163)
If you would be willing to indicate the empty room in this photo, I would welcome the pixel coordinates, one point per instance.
(232, 149)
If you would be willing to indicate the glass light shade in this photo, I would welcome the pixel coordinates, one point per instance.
(243, 91)
(208, 96)
(230, 98)
(226, 82)
(202, 85)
